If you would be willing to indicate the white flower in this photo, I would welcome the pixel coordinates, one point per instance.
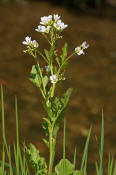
(30, 43)
(59, 25)
(56, 17)
(35, 43)
(84, 45)
(47, 29)
(47, 68)
(79, 51)
(53, 79)
(46, 19)
(43, 29)
(27, 41)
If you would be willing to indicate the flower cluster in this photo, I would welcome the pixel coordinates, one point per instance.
(50, 25)
(48, 22)
(80, 49)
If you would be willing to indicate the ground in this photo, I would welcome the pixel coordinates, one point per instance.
(92, 76)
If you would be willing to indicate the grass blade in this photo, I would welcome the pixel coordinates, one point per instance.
(84, 158)
(64, 140)
(101, 147)
(74, 159)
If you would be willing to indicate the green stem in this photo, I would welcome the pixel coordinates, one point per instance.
(53, 89)
(52, 142)
(70, 56)
(64, 63)
(43, 56)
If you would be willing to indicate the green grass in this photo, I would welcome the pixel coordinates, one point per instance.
(20, 165)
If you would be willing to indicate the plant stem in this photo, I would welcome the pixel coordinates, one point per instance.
(53, 88)
(52, 143)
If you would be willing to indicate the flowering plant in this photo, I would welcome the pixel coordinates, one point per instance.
(46, 80)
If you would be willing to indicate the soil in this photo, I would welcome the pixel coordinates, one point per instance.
(92, 76)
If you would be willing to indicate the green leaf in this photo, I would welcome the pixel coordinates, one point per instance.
(45, 127)
(84, 158)
(35, 76)
(49, 54)
(58, 61)
(63, 104)
(74, 159)
(45, 80)
(46, 53)
(77, 172)
(33, 153)
(38, 163)
(64, 167)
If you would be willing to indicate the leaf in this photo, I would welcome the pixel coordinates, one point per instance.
(35, 77)
(33, 153)
(46, 53)
(64, 103)
(77, 172)
(74, 159)
(45, 127)
(58, 61)
(49, 54)
(84, 157)
(38, 163)
(45, 80)
(64, 167)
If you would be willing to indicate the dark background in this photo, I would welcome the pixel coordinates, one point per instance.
(92, 76)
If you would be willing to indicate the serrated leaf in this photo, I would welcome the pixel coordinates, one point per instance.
(38, 163)
(33, 153)
(64, 167)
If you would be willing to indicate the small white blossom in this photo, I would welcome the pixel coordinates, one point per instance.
(35, 43)
(53, 79)
(30, 43)
(59, 25)
(84, 45)
(47, 68)
(43, 29)
(27, 41)
(56, 17)
(46, 19)
(80, 49)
